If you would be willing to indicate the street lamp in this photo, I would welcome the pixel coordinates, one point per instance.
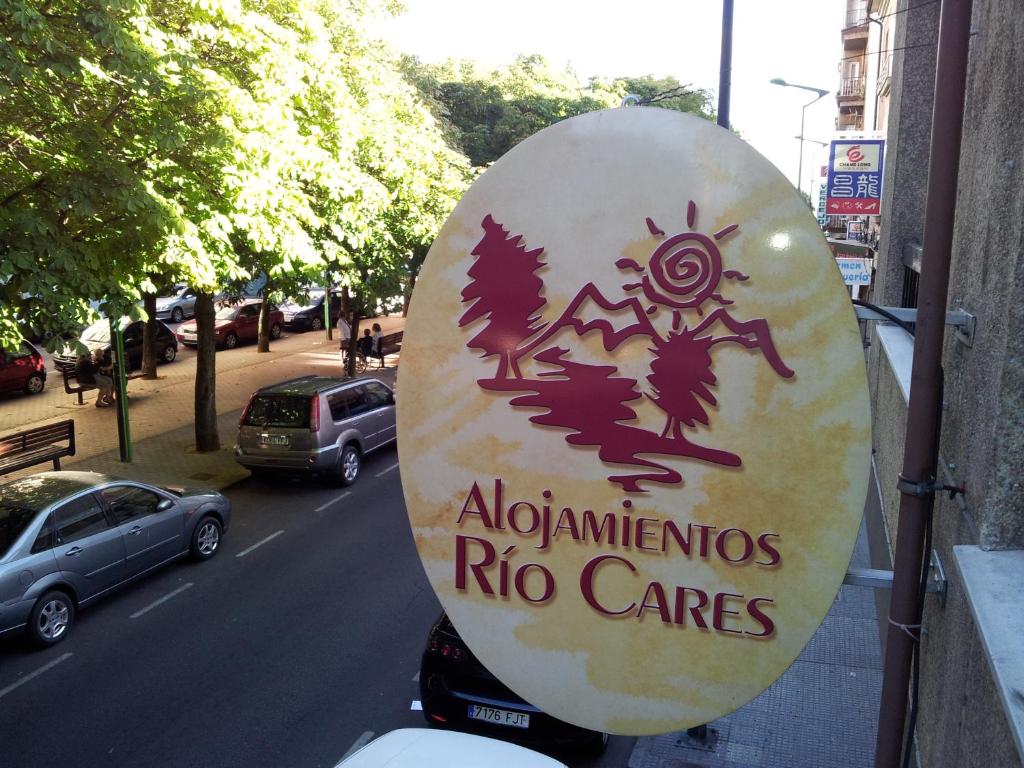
(803, 111)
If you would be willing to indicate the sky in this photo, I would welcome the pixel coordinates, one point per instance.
(797, 40)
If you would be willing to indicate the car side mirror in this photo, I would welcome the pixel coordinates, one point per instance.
(164, 505)
(392, 398)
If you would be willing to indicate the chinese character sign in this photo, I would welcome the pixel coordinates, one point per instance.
(634, 473)
(855, 177)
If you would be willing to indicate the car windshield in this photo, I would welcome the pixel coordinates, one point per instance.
(20, 501)
(227, 312)
(100, 330)
(314, 299)
(278, 411)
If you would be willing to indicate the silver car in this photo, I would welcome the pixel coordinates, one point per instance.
(176, 307)
(69, 538)
(316, 425)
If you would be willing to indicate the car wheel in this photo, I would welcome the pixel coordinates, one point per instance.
(349, 465)
(34, 384)
(169, 354)
(206, 539)
(275, 331)
(230, 341)
(316, 324)
(177, 315)
(51, 618)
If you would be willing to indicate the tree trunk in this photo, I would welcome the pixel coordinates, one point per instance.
(207, 438)
(408, 292)
(263, 339)
(149, 337)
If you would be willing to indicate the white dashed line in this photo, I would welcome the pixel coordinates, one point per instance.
(33, 675)
(272, 536)
(162, 600)
(385, 471)
(358, 744)
(416, 677)
(416, 705)
(335, 500)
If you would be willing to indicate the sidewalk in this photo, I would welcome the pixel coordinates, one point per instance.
(161, 411)
(822, 713)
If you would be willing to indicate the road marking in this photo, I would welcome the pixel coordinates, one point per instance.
(260, 543)
(416, 706)
(335, 500)
(358, 744)
(416, 677)
(162, 600)
(385, 471)
(33, 675)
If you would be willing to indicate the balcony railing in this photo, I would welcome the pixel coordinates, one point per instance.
(856, 17)
(851, 87)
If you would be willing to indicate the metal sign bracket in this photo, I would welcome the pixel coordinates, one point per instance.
(879, 579)
(964, 322)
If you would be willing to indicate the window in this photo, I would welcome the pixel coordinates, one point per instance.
(377, 395)
(129, 503)
(360, 402)
(249, 310)
(78, 519)
(278, 411)
(339, 403)
(45, 538)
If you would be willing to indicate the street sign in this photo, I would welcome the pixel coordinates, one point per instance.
(855, 177)
(634, 426)
(855, 271)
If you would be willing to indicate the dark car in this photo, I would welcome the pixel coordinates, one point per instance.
(307, 314)
(97, 336)
(234, 322)
(69, 538)
(459, 692)
(22, 370)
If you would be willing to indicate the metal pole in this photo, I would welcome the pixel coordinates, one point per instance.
(725, 68)
(124, 434)
(327, 305)
(800, 164)
(921, 441)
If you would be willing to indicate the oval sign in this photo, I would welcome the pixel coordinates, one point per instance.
(634, 421)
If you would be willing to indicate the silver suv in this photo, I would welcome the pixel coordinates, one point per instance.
(317, 425)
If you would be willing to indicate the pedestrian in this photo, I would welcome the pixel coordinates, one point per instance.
(365, 343)
(104, 376)
(344, 337)
(378, 340)
(86, 371)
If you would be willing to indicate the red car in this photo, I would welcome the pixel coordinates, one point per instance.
(22, 370)
(233, 323)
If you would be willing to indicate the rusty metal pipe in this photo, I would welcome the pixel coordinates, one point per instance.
(922, 441)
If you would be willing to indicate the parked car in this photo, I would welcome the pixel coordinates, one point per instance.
(97, 336)
(69, 538)
(316, 425)
(181, 303)
(234, 322)
(22, 370)
(307, 314)
(457, 691)
(426, 748)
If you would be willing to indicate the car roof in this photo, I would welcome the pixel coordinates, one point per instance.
(45, 488)
(427, 748)
(308, 385)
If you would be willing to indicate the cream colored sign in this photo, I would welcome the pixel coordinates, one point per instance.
(633, 421)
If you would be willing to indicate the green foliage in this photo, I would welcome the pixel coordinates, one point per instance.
(206, 141)
(486, 114)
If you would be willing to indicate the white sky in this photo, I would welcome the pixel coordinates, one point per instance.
(797, 40)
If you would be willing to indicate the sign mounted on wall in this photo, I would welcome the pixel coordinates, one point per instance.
(855, 177)
(634, 422)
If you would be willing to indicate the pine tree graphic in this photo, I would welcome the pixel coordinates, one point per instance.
(504, 289)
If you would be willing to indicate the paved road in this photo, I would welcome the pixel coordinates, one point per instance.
(303, 635)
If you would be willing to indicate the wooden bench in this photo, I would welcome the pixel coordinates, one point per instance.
(37, 446)
(391, 343)
(78, 389)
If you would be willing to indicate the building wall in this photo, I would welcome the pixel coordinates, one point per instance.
(962, 723)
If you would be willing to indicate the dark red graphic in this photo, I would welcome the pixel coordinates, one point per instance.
(591, 401)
